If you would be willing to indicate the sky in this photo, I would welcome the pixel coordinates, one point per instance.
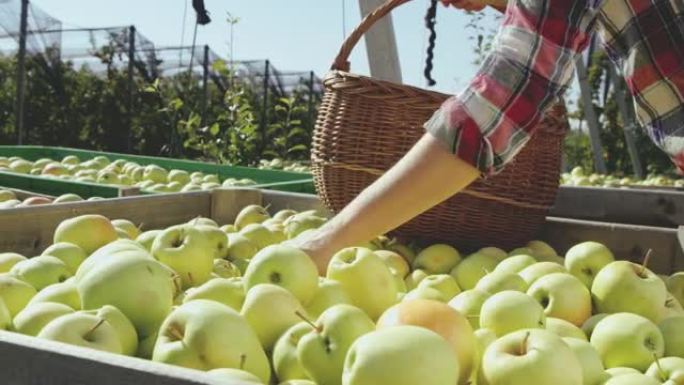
(297, 35)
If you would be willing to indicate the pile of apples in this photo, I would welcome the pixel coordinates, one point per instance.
(285, 165)
(578, 177)
(242, 304)
(8, 199)
(120, 172)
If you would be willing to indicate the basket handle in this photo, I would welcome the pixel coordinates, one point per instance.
(341, 62)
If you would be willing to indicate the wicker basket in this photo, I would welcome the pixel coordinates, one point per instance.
(365, 126)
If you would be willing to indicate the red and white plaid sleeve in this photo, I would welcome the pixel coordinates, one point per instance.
(528, 69)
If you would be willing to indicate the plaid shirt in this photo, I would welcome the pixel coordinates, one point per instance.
(531, 65)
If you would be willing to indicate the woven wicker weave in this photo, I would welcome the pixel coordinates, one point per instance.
(365, 126)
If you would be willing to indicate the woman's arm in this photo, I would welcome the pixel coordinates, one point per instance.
(426, 176)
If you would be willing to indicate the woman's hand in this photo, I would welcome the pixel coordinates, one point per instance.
(475, 5)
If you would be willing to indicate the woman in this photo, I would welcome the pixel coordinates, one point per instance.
(476, 133)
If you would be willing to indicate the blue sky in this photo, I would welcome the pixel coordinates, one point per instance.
(295, 35)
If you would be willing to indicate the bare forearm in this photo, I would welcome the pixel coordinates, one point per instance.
(426, 176)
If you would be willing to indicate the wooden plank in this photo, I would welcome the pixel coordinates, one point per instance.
(30, 230)
(32, 361)
(628, 242)
(622, 205)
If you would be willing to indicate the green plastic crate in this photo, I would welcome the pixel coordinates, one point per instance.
(57, 187)
(265, 179)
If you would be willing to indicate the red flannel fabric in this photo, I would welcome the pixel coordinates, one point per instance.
(531, 66)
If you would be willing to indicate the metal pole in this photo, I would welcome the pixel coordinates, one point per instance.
(21, 72)
(591, 117)
(381, 45)
(628, 122)
(312, 77)
(264, 112)
(205, 83)
(131, 86)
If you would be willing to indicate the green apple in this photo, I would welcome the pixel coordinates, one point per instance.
(209, 186)
(147, 238)
(532, 273)
(672, 307)
(180, 176)
(188, 251)
(6, 195)
(285, 266)
(55, 169)
(628, 340)
(590, 324)
(251, 214)
(41, 271)
(509, 311)
(89, 232)
(240, 247)
(106, 253)
(260, 235)
(211, 179)
(70, 254)
(499, 281)
(203, 221)
(299, 223)
(71, 159)
(673, 333)
(437, 259)
(142, 288)
(401, 249)
(614, 372)
(564, 329)
(495, 252)
(84, 330)
(108, 177)
(191, 187)
(365, 278)
(196, 176)
(146, 346)
(670, 371)
(475, 266)
(515, 264)
(270, 310)
(5, 317)
(128, 337)
(398, 282)
(229, 229)
(286, 364)
(7, 260)
(322, 351)
(207, 335)
(541, 250)
(389, 356)
(593, 372)
(414, 278)
(63, 292)
(632, 379)
(21, 166)
(15, 293)
(520, 251)
(225, 269)
(563, 296)
(424, 293)
(228, 291)
(174, 186)
(127, 226)
(394, 261)
(444, 283)
(66, 198)
(155, 173)
(586, 260)
(675, 285)
(531, 357)
(328, 294)
(469, 303)
(10, 204)
(624, 286)
(234, 376)
(34, 317)
(282, 215)
(441, 319)
(217, 238)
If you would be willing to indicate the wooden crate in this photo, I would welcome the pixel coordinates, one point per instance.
(650, 207)
(28, 361)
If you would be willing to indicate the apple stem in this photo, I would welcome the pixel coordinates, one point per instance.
(243, 361)
(661, 372)
(523, 345)
(141, 225)
(486, 271)
(97, 325)
(175, 333)
(190, 278)
(304, 318)
(647, 259)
